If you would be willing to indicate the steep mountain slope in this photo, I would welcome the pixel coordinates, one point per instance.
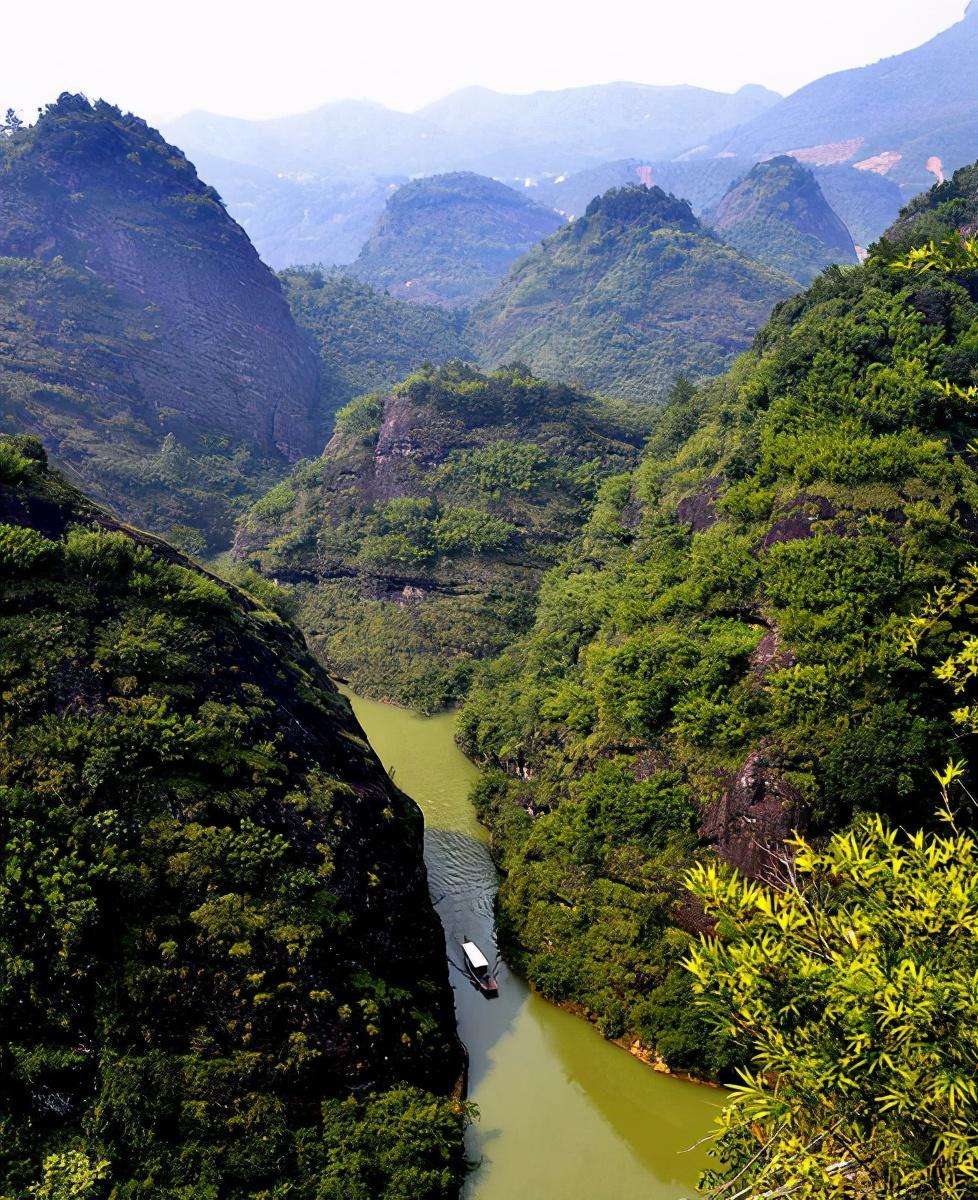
(222, 973)
(630, 296)
(140, 328)
(416, 542)
(720, 661)
(906, 116)
(778, 215)
(367, 339)
(449, 239)
(949, 205)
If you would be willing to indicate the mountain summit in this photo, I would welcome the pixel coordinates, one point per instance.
(138, 320)
(627, 297)
(778, 214)
(449, 239)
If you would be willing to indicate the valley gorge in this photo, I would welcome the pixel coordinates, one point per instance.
(486, 709)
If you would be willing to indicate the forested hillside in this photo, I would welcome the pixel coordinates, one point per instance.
(221, 971)
(626, 298)
(778, 215)
(449, 239)
(416, 542)
(368, 339)
(142, 338)
(721, 661)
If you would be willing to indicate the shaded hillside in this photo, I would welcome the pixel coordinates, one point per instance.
(906, 117)
(720, 662)
(144, 340)
(368, 340)
(778, 215)
(450, 239)
(416, 542)
(222, 974)
(625, 299)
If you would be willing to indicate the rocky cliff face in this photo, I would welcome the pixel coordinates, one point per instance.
(778, 215)
(450, 239)
(192, 336)
(625, 299)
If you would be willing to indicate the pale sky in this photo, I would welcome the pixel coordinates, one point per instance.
(283, 56)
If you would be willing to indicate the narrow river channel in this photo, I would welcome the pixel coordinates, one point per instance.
(565, 1115)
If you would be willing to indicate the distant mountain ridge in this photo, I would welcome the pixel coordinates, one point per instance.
(627, 298)
(476, 129)
(912, 117)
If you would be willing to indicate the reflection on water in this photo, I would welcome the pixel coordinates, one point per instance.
(564, 1114)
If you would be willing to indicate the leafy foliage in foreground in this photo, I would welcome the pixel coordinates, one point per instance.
(415, 544)
(722, 658)
(214, 923)
(852, 992)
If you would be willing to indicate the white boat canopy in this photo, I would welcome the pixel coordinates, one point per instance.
(475, 956)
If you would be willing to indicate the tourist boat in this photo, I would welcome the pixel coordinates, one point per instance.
(477, 969)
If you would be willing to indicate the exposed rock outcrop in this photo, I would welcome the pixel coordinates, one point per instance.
(138, 310)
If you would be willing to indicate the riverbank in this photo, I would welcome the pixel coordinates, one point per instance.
(565, 1115)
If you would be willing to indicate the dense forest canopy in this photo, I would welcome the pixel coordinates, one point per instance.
(626, 298)
(220, 973)
(719, 660)
(416, 542)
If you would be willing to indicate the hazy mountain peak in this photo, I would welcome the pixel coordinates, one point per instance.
(449, 239)
(778, 214)
(636, 204)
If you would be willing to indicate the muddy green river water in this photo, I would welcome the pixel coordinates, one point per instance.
(565, 1115)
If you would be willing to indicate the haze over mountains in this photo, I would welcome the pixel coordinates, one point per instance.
(690, 547)
(449, 239)
(307, 187)
(913, 118)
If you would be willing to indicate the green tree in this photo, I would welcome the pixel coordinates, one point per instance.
(68, 1176)
(854, 991)
(11, 123)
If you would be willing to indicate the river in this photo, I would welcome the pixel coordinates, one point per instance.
(564, 1115)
